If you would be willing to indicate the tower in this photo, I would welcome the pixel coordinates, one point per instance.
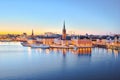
(32, 33)
(64, 32)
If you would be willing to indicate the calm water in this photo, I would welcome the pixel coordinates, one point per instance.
(18, 62)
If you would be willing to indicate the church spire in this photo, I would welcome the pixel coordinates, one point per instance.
(64, 25)
(64, 32)
(32, 32)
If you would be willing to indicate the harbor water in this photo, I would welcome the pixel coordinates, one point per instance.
(18, 63)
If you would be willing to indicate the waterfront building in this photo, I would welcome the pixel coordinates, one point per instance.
(48, 40)
(81, 42)
(84, 43)
(57, 41)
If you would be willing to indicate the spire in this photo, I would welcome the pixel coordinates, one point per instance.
(32, 32)
(64, 32)
(64, 25)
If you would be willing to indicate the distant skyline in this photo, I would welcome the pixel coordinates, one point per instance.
(81, 16)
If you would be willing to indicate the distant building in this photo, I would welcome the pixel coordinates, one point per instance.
(32, 36)
(48, 34)
(24, 35)
(31, 39)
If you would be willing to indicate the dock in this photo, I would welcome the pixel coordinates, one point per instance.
(114, 47)
(69, 47)
(107, 46)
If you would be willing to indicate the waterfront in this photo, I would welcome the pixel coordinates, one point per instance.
(18, 62)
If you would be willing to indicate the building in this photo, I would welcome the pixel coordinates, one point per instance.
(66, 40)
(31, 38)
(81, 42)
(64, 32)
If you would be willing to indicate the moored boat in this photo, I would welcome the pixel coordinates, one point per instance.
(25, 44)
(43, 46)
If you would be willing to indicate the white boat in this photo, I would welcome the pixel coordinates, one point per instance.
(43, 46)
(75, 47)
(25, 44)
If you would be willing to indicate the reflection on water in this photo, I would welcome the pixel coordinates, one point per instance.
(18, 62)
(115, 52)
(80, 51)
(29, 52)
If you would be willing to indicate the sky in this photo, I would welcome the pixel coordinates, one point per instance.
(80, 16)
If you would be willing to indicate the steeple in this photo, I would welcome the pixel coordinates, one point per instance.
(64, 25)
(64, 32)
(32, 32)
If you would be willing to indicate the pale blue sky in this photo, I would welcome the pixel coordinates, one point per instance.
(81, 16)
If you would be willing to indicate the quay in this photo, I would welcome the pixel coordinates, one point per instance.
(114, 47)
(107, 46)
(70, 47)
(100, 45)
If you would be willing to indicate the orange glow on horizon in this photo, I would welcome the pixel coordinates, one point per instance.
(37, 32)
(21, 27)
